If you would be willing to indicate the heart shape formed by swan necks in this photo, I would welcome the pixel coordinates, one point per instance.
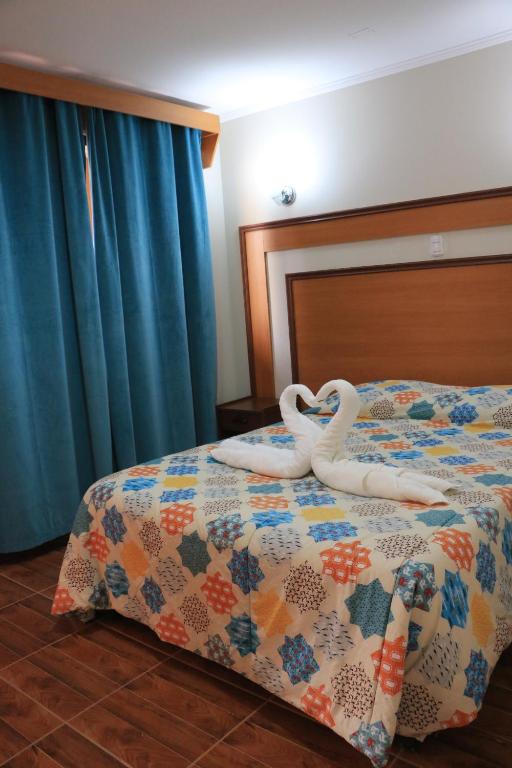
(324, 451)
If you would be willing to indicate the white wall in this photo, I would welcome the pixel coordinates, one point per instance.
(231, 377)
(435, 130)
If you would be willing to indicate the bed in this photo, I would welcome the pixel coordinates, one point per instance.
(374, 617)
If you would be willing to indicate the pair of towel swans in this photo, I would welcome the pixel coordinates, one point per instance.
(323, 451)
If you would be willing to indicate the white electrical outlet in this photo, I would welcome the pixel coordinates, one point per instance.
(436, 245)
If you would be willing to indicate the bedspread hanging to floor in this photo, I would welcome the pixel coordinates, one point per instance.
(373, 616)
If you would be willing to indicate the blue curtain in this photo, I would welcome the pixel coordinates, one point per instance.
(155, 283)
(54, 428)
(107, 350)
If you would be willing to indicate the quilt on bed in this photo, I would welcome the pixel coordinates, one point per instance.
(373, 616)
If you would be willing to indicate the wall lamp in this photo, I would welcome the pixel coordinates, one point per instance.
(286, 196)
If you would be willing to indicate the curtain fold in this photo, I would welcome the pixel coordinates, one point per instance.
(156, 289)
(107, 344)
(197, 278)
(53, 405)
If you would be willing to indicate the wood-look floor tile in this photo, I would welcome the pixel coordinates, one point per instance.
(485, 746)
(45, 627)
(135, 631)
(286, 705)
(49, 593)
(497, 722)
(28, 575)
(140, 655)
(11, 592)
(23, 714)
(277, 752)
(7, 657)
(69, 749)
(42, 606)
(432, 753)
(32, 757)
(499, 697)
(223, 695)
(74, 674)
(181, 737)
(46, 689)
(222, 673)
(222, 756)
(17, 640)
(39, 604)
(308, 734)
(125, 741)
(181, 702)
(52, 556)
(46, 567)
(96, 658)
(11, 742)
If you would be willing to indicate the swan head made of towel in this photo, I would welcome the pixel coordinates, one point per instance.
(335, 435)
(296, 422)
(269, 460)
(331, 467)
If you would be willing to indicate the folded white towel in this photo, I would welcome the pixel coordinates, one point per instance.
(332, 468)
(277, 462)
(324, 451)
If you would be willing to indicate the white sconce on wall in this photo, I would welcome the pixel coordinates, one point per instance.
(283, 165)
(286, 196)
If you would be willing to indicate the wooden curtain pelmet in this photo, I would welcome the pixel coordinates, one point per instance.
(89, 94)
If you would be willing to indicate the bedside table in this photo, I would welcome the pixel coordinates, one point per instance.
(246, 414)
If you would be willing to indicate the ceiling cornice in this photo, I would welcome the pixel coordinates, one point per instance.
(375, 74)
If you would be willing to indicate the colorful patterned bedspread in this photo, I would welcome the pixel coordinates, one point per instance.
(373, 616)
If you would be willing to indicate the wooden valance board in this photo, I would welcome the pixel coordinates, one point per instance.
(467, 285)
(89, 94)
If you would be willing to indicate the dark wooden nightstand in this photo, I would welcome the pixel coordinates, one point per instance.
(246, 414)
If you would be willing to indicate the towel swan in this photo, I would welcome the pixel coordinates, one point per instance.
(332, 468)
(278, 462)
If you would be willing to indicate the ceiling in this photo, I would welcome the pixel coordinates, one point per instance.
(241, 56)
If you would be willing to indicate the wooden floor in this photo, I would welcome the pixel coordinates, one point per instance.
(110, 694)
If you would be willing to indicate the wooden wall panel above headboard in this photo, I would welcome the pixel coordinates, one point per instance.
(485, 208)
(447, 321)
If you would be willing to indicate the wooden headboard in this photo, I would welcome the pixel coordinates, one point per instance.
(445, 321)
